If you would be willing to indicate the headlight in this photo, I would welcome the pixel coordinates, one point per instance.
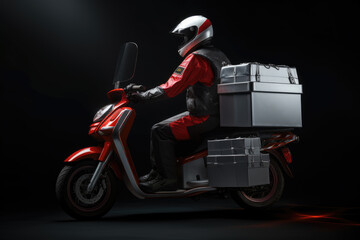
(103, 112)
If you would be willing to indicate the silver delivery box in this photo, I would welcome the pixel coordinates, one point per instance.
(258, 95)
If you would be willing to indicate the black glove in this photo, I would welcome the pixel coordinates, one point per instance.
(129, 87)
(151, 95)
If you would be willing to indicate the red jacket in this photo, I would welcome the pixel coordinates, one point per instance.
(193, 69)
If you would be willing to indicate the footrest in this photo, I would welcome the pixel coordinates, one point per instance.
(198, 183)
(168, 192)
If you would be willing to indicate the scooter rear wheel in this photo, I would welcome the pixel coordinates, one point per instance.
(71, 191)
(264, 196)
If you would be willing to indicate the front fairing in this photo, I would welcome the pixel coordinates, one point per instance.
(100, 130)
(118, 96)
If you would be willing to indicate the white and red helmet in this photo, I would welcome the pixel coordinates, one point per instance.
(194, 30)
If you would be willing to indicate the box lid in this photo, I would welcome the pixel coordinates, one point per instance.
(238, 87)
(273, 73)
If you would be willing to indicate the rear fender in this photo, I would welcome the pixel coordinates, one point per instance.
(281, 160)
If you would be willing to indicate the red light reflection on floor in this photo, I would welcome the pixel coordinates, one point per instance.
(328, 218)
(341, 217)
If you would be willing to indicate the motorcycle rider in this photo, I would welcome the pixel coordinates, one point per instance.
(198, 74)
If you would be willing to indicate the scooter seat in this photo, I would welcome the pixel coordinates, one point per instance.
(186, 149)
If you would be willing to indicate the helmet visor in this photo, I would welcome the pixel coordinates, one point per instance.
(185, 35)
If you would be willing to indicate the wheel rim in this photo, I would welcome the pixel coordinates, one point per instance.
(262, 193)
(80, 190)
(77, 190)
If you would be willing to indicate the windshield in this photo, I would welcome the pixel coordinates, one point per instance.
(126, 63)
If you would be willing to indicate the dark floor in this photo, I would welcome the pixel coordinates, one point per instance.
(188, 219)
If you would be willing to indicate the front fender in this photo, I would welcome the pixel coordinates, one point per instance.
(92, 153)
(89, 152)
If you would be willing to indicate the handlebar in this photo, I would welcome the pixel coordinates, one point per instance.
(139, 88)
(116, 95)
(134, 88)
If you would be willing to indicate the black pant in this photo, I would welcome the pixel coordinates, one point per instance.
(164, 141)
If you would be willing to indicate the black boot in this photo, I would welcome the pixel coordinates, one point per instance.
(159, 184)
(150, 176)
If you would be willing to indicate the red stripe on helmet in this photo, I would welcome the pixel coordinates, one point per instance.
(204, 26)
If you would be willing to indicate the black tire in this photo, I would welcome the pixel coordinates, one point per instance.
(75, 201)
(260, 197)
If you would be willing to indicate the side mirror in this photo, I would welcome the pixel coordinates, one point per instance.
(126, 63)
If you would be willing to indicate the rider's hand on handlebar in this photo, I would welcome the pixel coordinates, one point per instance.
(133, 92)
(134, 88)
(129, 87)
(138, 94)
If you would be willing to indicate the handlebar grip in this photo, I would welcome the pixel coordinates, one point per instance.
(140, 88)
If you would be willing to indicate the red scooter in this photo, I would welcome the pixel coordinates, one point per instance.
(86, 187)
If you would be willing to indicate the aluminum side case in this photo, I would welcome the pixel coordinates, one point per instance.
(237, 163)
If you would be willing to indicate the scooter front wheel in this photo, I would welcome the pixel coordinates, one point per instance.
(72, 194)
(260, 197)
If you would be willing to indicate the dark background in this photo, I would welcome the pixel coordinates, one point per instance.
(58, 59)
